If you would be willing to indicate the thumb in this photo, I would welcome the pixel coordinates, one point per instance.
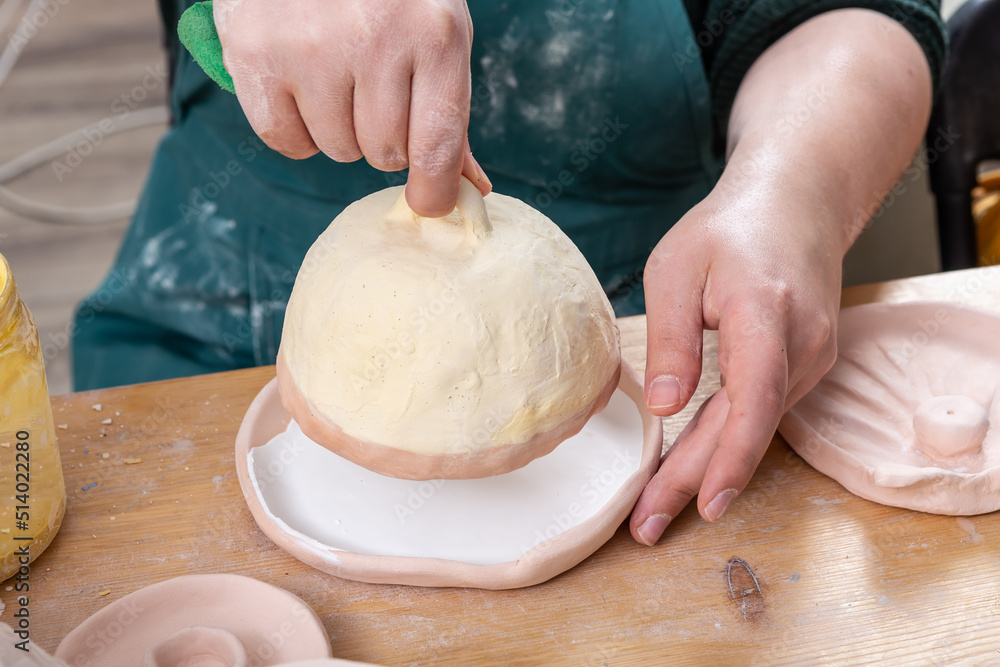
(474, 172)
(673, 331)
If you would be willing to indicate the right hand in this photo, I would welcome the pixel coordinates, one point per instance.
(387, 80)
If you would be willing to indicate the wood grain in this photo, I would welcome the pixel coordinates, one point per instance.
(832, 578)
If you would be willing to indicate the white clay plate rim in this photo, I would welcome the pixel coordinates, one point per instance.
(548, 558)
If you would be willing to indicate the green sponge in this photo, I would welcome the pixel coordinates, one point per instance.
(197, 33)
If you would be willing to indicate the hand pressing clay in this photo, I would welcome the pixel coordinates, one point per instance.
(457, 347)
(907, 416)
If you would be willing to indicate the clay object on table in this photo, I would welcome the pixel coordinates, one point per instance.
(457, 347)
(197, 646)
(909, 414)
(11, 656)
(506, 531)
(196, 617)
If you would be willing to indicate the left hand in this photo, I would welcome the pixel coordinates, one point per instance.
(760, 258)
(758, 263)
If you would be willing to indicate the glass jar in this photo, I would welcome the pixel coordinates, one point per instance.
(31, 478)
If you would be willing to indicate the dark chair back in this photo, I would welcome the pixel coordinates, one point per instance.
(964, 128)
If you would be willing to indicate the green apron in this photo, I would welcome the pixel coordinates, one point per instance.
(578, 109)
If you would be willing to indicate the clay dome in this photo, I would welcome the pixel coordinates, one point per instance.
(456, 347)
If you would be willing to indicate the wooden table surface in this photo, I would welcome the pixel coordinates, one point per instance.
(843, 580)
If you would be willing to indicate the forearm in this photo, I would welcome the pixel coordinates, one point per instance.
(830, 116)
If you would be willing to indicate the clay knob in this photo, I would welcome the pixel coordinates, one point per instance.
(198, 647)
(950, 426)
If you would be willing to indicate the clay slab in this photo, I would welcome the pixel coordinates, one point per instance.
(507, 531)
(908, 416)
(120, 634)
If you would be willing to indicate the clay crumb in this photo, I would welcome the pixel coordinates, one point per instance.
(133, 459)
(62, 427)
(97, 406)
(105, 455)
(106, 421)
(5, 531)
(4, 444)
(104, 592)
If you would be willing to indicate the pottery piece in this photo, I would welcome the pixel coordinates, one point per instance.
(11, 656)
(909, 414)
(224, 615)
(197, 646)
(458, 347)
(506, 531)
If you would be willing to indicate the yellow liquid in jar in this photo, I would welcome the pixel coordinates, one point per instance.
(31, 478)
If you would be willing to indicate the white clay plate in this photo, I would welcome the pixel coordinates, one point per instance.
(508, 531)
(857, 425)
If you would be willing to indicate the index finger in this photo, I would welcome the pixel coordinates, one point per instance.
(439, 122)
(753, 356)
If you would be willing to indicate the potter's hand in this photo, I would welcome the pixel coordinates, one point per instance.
(747, 266)
(823, 123)
(388, 80)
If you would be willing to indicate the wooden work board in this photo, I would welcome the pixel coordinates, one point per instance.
(799, 571)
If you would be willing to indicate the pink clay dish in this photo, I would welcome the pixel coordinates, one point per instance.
(205, 620)
(354, 523)
(908, 414)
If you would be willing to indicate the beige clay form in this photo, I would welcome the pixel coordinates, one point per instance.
(449, 348)
(216, 620)
(908, 415)
(506, 531)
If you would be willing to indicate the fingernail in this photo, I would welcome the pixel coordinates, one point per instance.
(664, 392)
(483, 178)
(720, 504)
(652, 528)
